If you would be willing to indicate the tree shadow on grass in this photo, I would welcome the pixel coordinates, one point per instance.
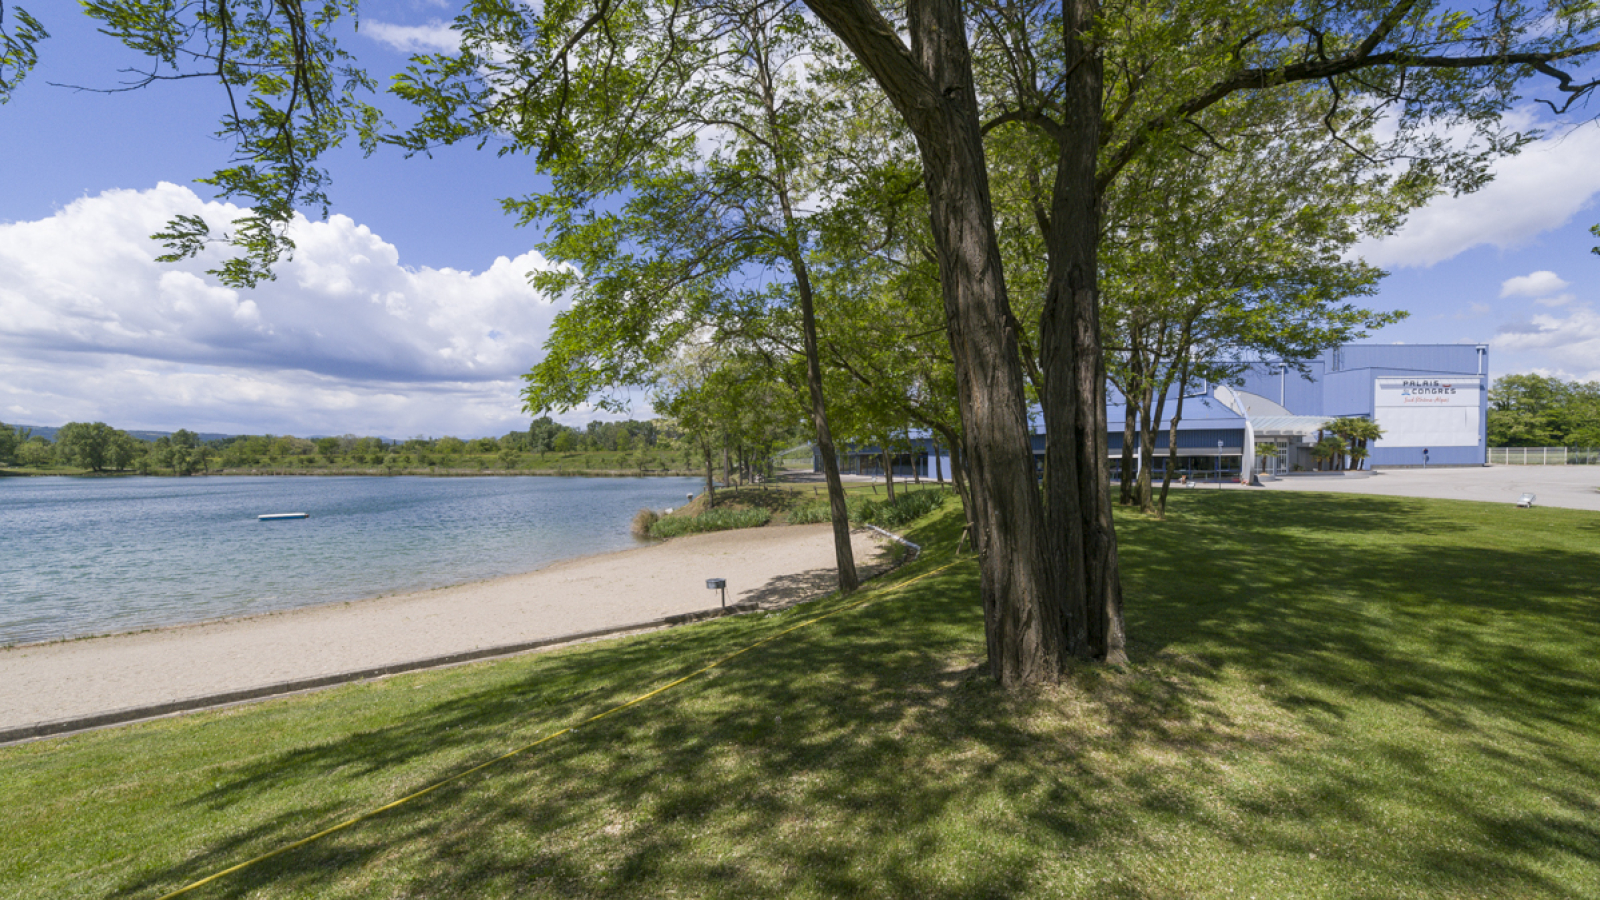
(784, 591)
(867, 755)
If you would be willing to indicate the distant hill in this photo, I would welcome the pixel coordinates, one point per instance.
(48, 432)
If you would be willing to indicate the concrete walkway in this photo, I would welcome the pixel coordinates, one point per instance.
(1572, 487)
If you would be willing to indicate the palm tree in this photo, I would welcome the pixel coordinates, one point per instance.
(1358, 455)
(1354, 432)
(1328, 449)
(1367, 430)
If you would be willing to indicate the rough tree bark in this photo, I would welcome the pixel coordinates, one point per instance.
(1079, 499)
(930, 84)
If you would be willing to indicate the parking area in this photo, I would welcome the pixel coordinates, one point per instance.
(1572, 487)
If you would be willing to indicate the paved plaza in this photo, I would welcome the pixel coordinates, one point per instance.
(1572, 487)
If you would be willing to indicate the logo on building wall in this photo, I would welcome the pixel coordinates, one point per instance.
(1425, 390)
(1428, 412)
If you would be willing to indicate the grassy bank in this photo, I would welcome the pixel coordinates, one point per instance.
(1329, 697)
(788, 504)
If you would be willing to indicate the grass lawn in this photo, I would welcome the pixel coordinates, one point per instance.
(1330, 696)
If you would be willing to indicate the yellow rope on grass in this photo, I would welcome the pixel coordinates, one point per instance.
(872, 595)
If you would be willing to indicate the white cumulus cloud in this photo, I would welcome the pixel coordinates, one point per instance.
(1537, 284)
(434, 37)
(1571, 342)
(346, 339)
(1539, 189)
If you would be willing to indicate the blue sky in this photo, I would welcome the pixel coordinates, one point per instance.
(407, 312)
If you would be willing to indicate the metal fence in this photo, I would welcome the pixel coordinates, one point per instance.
(1544, 456)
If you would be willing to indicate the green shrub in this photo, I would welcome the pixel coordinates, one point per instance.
(905, 508)
(715, 520)
(811, 513)
(909, 505)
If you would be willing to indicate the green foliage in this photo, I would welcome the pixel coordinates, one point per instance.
(294, 95)
(17, 51)
(1540, 411)
(182, 453)
(711, 520)
(1355, 432)
(1328, 449)
(328, 448)
(36, 452)
(9, 439)
(907, 506)
(96, 446)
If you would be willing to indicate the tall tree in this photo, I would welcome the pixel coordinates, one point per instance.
(9, 439)
(88, 445)
(718, 157)
(1051, 591)
(1237, 254)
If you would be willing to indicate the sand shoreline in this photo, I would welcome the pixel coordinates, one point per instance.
(294, 610)
(84, 677)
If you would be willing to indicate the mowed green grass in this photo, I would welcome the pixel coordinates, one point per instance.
(1330, 696)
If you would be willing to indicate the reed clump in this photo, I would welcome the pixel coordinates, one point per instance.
(643, 521)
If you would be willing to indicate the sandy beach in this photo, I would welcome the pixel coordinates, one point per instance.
(772, 567)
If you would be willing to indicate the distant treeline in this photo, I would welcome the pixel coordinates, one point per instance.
(97, 447)
(1537, 411)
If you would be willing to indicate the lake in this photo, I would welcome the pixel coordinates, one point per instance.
(82, 556)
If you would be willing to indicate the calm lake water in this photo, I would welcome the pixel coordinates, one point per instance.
(82, 556)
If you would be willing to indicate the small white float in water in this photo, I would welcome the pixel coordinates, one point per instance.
(274, 517)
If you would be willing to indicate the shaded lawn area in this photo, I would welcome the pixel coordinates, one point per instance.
(1330, 696)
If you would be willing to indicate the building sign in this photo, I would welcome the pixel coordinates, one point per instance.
(1429, 412)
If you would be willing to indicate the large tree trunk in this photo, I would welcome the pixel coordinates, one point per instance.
(1024, 623)
(1073, 367)
(932, 88)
